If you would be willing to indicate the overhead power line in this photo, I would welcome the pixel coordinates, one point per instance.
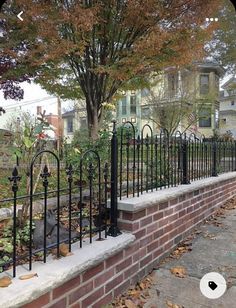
(27, 103)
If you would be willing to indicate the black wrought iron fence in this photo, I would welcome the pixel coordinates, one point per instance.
(32, 235)
(148, 162)
(76, 208)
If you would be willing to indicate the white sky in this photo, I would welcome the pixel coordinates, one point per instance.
(34, 96)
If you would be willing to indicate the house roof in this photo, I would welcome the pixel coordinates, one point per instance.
(70, 113)
(211, 65)
(203, 65)
(232, 80)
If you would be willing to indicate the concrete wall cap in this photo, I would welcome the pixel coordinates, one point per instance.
(134, 204)
(56, 272)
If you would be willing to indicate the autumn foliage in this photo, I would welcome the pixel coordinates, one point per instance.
(91, 48)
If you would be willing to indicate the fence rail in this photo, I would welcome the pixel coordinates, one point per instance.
(148, 162)
(138, 164)
(85, 218)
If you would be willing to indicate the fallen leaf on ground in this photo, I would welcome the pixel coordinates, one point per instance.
(217, 223)
(179, 271)
(179, 251)
(134, 293)
(172, 305)
(142, 285)
(29, 276)
(210, 236)
(129, 304)
(230, 204)
(63, 250)
(5, 282)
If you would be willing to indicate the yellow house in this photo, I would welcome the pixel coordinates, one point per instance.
(196, 86)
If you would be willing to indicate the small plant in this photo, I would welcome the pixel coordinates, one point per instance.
(6, 249)
(6, 242)
(23, 235)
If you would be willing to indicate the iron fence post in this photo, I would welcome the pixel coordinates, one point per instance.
(114, 230)
(184, 148)
(214, 171)
(15, 178)
(17, 160)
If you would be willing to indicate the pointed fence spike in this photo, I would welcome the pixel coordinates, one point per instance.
(15, 172)
(69, 170)
(45, 169)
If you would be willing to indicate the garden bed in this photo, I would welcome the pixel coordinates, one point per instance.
(69, 220)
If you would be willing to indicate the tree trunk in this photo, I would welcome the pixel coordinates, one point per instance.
(93, 134)
(93, 121)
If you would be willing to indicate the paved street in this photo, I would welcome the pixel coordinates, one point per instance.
(213, 250)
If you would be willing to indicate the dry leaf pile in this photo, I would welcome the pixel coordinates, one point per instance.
(213, 219)
(209, 235)
(63, 250)
(136, 296)
(183, 247)
(227, 206)
(179, 271)
(180, 250)
(230, 204)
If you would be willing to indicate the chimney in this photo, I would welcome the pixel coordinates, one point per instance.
(39, 110)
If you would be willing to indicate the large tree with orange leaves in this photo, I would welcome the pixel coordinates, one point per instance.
(93, 47)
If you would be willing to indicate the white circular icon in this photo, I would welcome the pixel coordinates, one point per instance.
(213, 285)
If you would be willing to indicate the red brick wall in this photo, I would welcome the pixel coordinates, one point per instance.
(56, 122)
(158, 229)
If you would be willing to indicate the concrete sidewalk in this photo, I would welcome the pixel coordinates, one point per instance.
(213, 250)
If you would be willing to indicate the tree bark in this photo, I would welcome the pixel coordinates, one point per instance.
(93, 121)
(94, 126)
